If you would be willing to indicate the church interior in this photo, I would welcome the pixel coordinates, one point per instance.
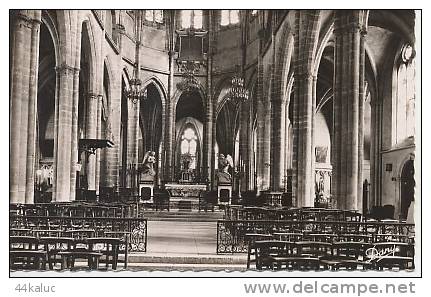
(264, 139)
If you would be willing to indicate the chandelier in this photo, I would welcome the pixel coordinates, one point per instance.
(134, 91)
(237, 92)
(188, 69)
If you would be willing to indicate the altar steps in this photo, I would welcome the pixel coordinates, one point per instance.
(186, 262)
(184, 216)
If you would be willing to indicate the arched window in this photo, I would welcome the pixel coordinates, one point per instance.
(154, 16)
(405, 97)
(189, 147)
(191, 19)
(229, 17)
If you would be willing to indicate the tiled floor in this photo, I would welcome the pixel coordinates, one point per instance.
(175, 237)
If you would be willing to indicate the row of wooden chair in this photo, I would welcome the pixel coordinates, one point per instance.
(324, 239)
(28, 252)
(76, 208)
(240, 212)
(312, 255)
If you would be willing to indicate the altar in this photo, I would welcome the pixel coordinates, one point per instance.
(185, 190)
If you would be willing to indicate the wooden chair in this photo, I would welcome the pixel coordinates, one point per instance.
(347, 255)
(81, 250)
(271, 254)
(24, 253)
(124, 237)
(108, 247)
(251, 238)
(55, 245)
(314, 249)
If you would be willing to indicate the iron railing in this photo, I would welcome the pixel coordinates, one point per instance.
(231, 233)
(135, 228)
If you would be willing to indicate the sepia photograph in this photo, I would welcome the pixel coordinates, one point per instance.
(274, 142)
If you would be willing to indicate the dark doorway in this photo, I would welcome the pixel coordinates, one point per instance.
(407, 187)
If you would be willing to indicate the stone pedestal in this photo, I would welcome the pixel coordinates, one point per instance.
(222, 189)
(146, 186)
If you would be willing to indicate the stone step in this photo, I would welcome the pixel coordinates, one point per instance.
(184, 267)
(187, 259)
(178, 215)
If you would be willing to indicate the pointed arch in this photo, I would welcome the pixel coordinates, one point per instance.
(178, 93)
(159, 86)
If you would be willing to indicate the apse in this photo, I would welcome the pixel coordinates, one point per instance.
(189, 136)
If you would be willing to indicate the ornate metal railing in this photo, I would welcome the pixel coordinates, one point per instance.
(135, 228)
(231, 233)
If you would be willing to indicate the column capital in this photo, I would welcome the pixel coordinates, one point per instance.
(66, 69)
(27, 20)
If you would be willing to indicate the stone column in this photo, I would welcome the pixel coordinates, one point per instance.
(74, 136)
(304, 136)
(32, 109)
(91, 133)
(23, 101)
(62, 134)
(313, 144)
(132, 137)
(170, 122)
(348, 108)
(266, 147)
(244, 145)
(98, 136)
(276, 139)
(113, 133)
(361, 118)
(375, 170)
(208, 129)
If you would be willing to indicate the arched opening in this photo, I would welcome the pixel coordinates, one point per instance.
(85, 177)
(45, 117)
(323, 123)
(189, 117)
(150, 123)
(227, 127)
(407, 187)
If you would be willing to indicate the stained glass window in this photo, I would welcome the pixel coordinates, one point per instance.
(229, 17)
(191, 19)
(154, 16)
(189, 146)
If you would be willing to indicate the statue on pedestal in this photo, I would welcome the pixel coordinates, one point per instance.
(148, 172)
(223, 175)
